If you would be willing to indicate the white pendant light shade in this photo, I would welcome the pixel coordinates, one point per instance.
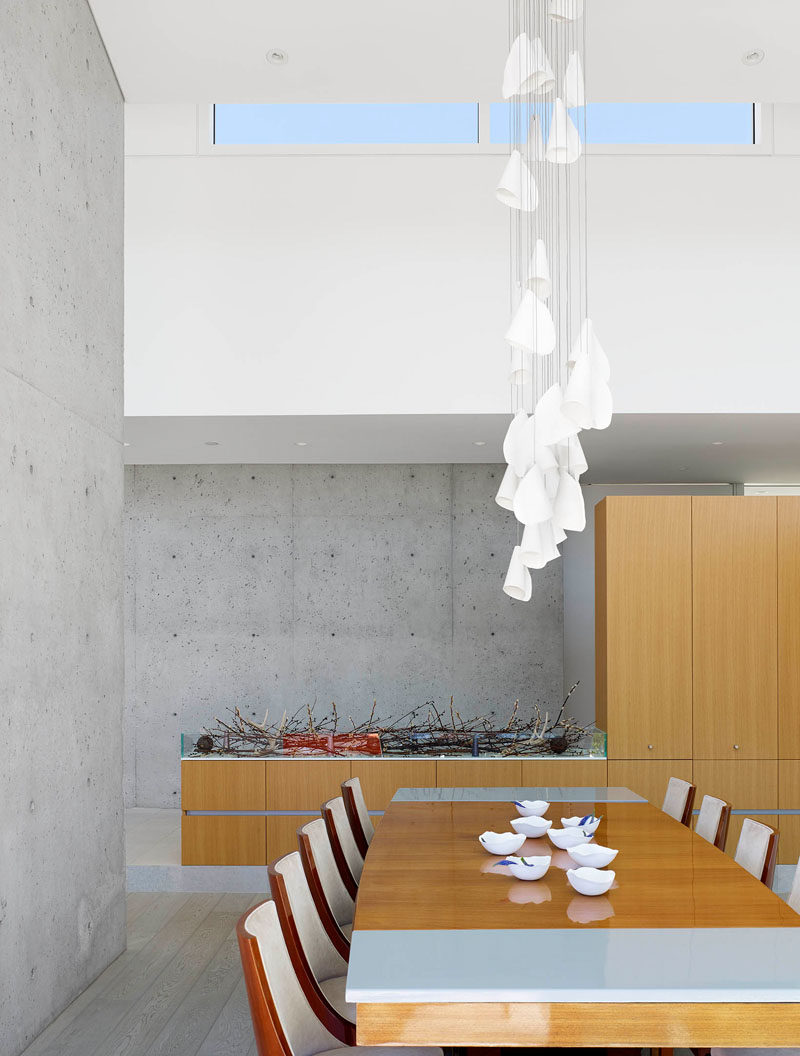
(539, 545)
(539, 281)
(564, 142)
(518, 584)
(574, 92)
(552, 425)
(513, 444)
(532, 326)
(517, 187)
(532, 504)
(521, 373)
(565, 10)
(587, 344)
(587, 401)
(569, 511)
(571, 457)
(527, 69)
(507, 490)
(559, 535)
(544, 456)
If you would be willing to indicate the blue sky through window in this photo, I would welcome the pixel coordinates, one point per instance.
(253, 124)
(702, 124)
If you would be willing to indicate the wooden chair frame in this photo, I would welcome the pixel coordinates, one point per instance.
(332, 1020)
(721, 837)
(768, 874)
(348, 879)
(332, 928)
(349, 797)
(270, 1037)
(686, 817)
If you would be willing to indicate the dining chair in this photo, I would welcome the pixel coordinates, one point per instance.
(757, 850)
(334, 904)
(794, 894)
(712, 821)
(320, 968)
(349, 859)
(357, 813)
(284, 1022)
(679, 800)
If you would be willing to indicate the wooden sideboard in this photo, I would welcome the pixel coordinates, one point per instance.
(247, 811)
(698, 649)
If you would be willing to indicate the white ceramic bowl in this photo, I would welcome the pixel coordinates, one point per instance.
(501, 842)
(592, 855)
(566, 838)
(531, 827)
(591, 881)
(588, 823)
(527, 868)
(531, 808)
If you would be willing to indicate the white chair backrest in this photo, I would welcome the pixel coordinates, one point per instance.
(675, 799)
(304, 1032)
(341, 823)
(752, 848)
(361, 808)
(323, 957)
(709, 817)
(794, 896)
(342, 905)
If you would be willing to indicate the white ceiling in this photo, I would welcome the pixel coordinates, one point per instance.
(439, 50)
(637, 448)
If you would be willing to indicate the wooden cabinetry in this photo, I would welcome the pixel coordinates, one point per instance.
(223, 785)
(555, 773)
(789, 629)
(478, 773)
(381, 778)
(643, 551)
(647, 777)
(734, 551)
(744, 783)
(304, 784)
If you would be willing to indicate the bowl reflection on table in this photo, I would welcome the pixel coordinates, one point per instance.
(522, 893)
(585, 910)
(531, 808)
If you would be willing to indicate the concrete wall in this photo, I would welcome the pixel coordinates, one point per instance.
(272, 586)
(62, 908)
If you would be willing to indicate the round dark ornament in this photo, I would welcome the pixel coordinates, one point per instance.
(204, 744)
(556, 741)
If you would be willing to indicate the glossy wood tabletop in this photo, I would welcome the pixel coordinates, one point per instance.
(426, 870)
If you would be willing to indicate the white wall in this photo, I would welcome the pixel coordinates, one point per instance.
(379, 284)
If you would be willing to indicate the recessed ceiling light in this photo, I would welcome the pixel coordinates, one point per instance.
(683, 467)
(301, 443)
(126, 444)
(479, 443)
(277, 56)
(212, 443)
(753, 57)
(717, 443)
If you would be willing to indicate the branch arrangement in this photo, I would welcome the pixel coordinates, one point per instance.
(424, 730)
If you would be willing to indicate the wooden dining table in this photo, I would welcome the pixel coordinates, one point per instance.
(687, 949)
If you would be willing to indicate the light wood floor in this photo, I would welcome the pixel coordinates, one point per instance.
(176, 991)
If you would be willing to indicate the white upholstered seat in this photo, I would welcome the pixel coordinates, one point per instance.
(341, 904)
(676, 801)
(709, 818)
(305, 1034)
(753, 847)
(360, 804)
(325, 963)
(341, 823)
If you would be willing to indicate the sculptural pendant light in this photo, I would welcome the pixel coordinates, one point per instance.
(559, 372)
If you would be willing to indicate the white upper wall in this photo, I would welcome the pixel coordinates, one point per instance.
(356, 284)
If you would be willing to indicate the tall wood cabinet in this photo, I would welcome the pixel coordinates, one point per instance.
(698, 648)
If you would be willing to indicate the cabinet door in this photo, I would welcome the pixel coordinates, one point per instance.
(735, 628)
(788, 799)
(644, 625)
(564, 773)
(381, 778)
(223, 840)
(747, 784)
(304, 784)
(222, 784)
(648, 777)
(789, 627)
